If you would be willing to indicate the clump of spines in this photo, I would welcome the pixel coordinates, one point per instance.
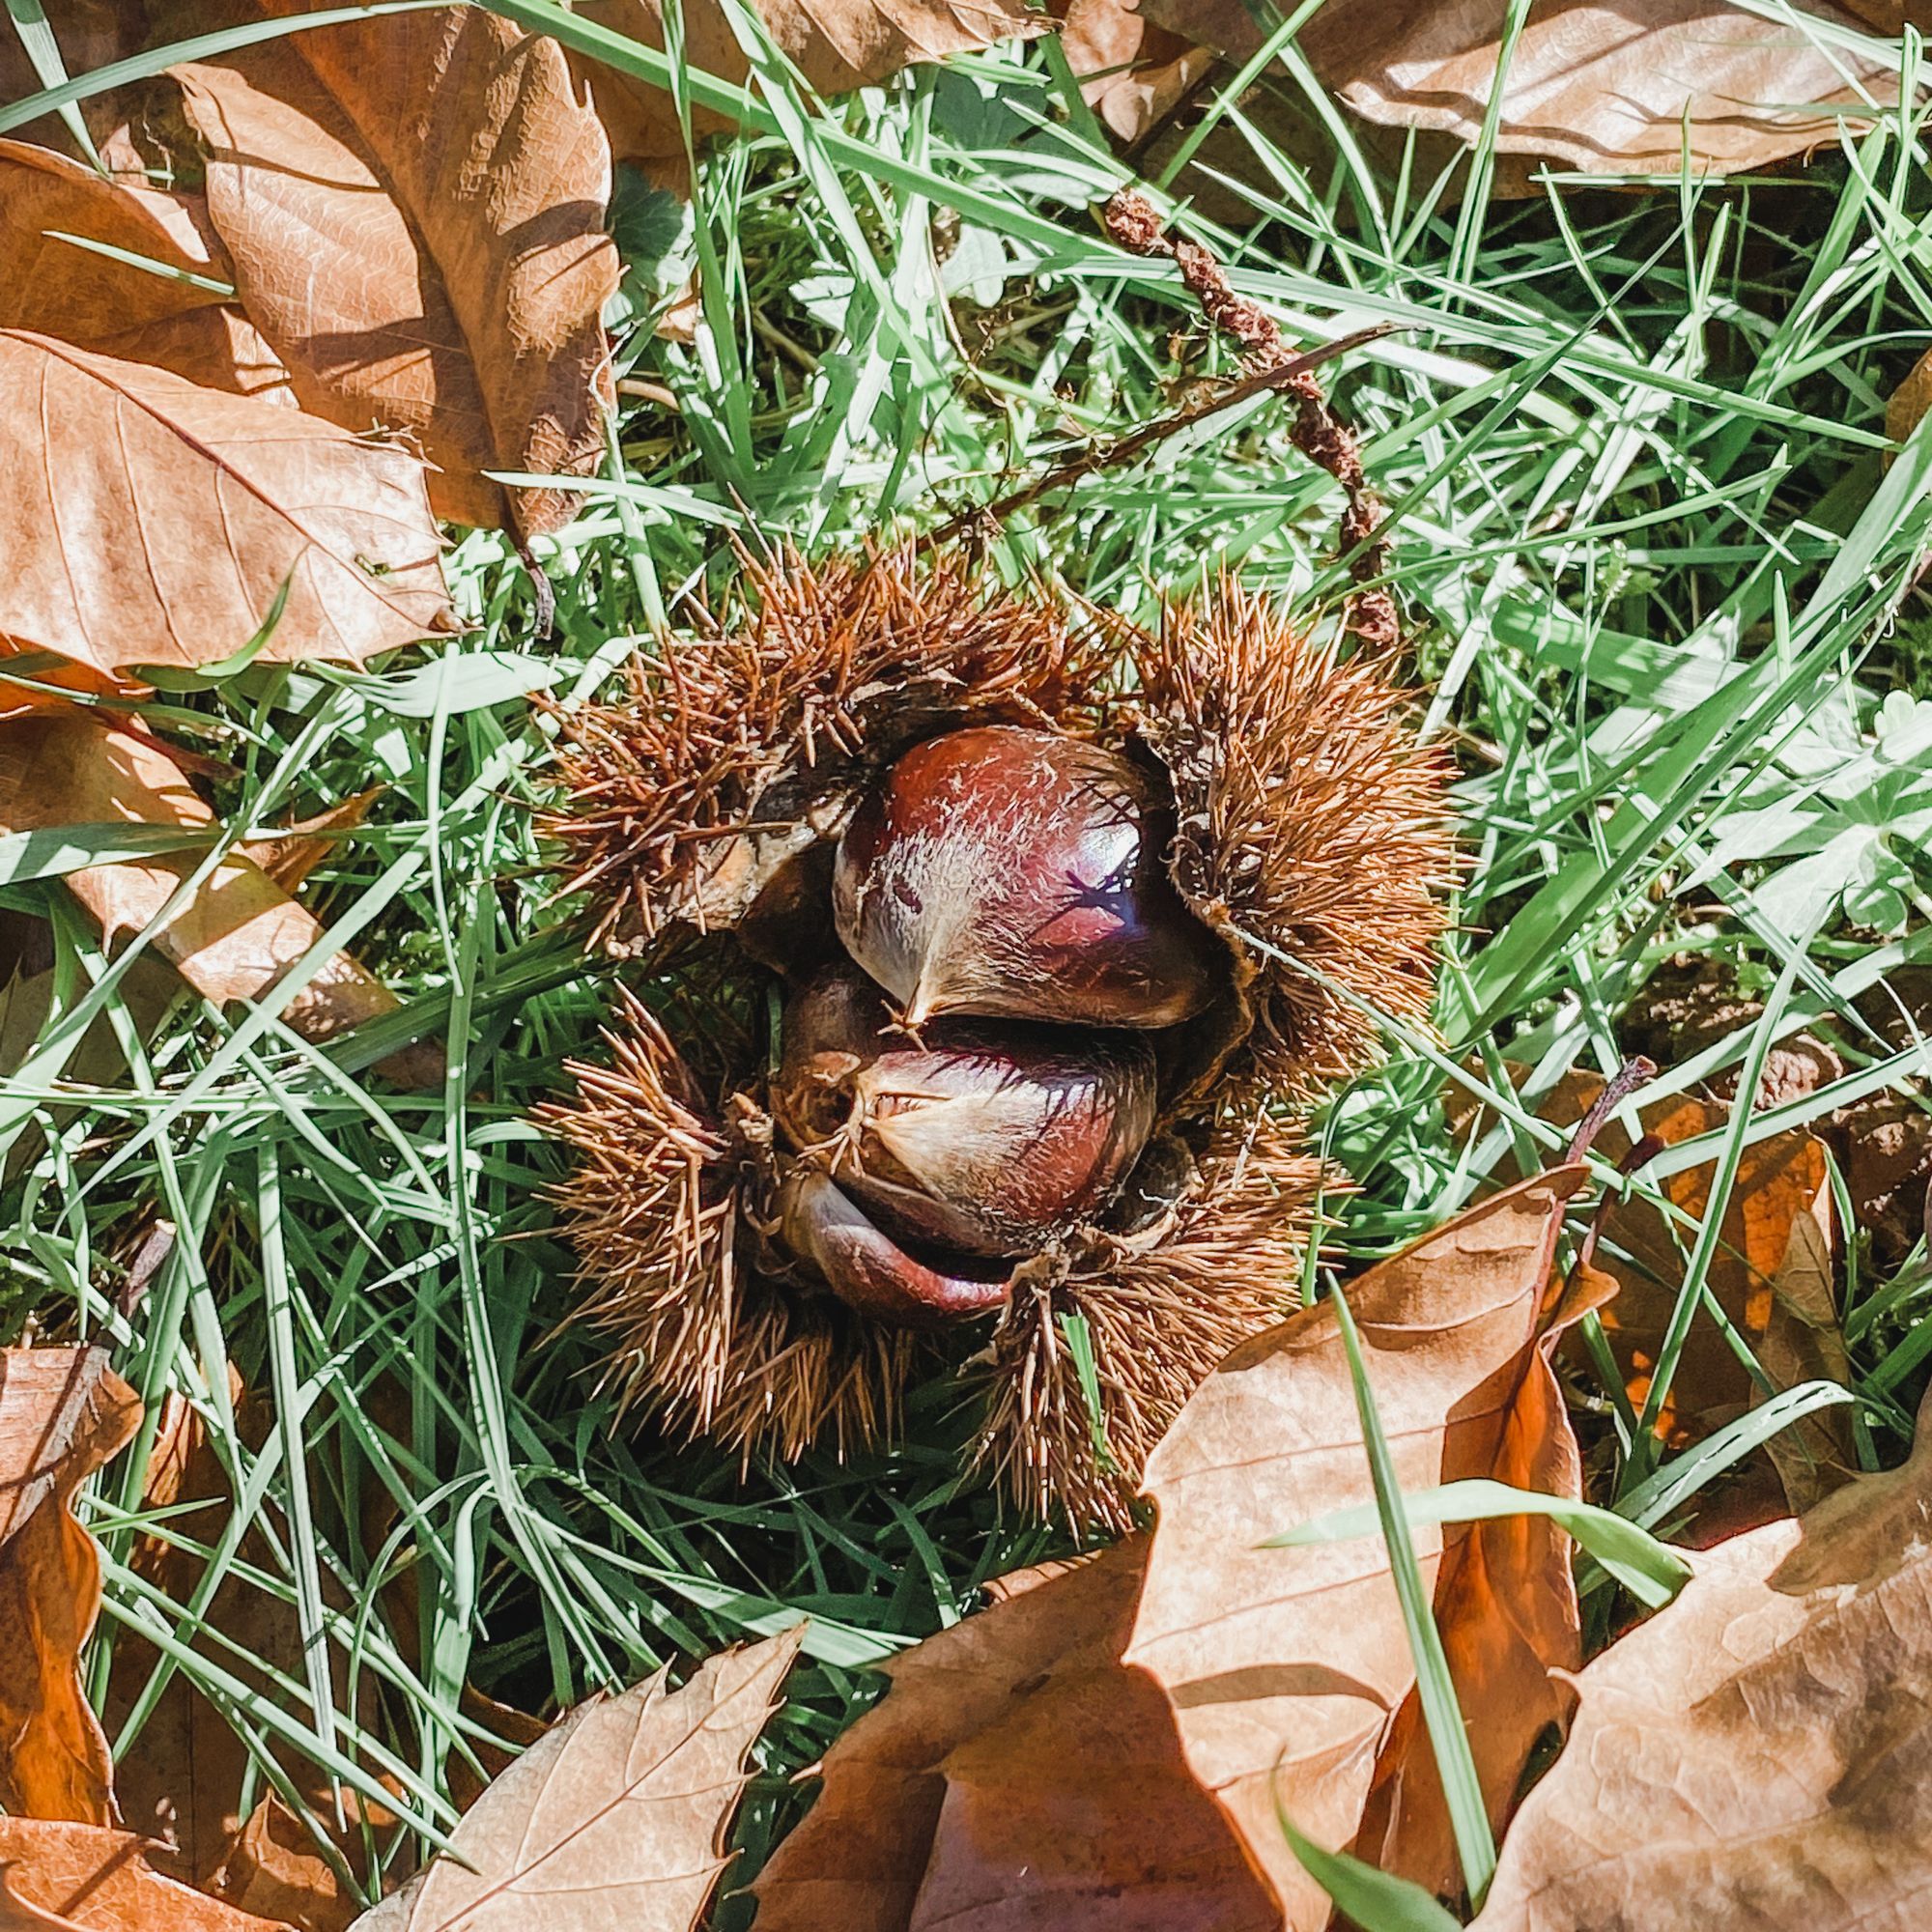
(1313, 836)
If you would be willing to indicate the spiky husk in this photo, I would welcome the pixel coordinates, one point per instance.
(833, 669)
(1311, 834)
(1314, 828)
(656, 1203)
(1159, 1317)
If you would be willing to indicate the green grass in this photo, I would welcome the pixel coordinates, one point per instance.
(1661, 583)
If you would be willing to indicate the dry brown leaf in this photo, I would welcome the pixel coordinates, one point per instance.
(238, 934)
(415, 207)
(294, 852)
(83, 1877)
(616, 1816)
(1803, 1342)
(1759, 1753)
(1018, 1775)
(1779, 1181)
(1910, 401)
(63, 1413)
(837, 45)
(148, 521)
(61, 289)
(1133, 74)
(1289, 1669)
(1603, 86)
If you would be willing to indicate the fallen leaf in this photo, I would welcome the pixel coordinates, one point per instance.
(58, 288)
(84, 1878)
(616, 1816)
(1909, 402)
(294, 852)
(1018, 1774)
(1601, 86)
(1290, 1670)
(1801, 1343)
(238, 934)
(837, 45)
(63, 1413)
(1132, 73)
(1760, 1752)
(415, 207)
(150, 520)
(1780, 1180)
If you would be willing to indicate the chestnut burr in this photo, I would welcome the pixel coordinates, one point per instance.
(987, 1137)
(1011, 872)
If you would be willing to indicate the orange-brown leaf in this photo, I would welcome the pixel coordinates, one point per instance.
(837, 45)
(145, 520)
(238, 934)
(1761, 1752)
(60, 289)
(63, 1413)
(84, 1878)
(1289, 1669)
(415, 207)
(1018, 1775)
(616, 1816)
(1133, 74)
(1603, 86)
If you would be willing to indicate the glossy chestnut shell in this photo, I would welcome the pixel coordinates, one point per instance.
(1011, 872)
(981, 1137)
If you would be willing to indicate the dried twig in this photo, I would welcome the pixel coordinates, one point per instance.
(1122, 450)
(1133, 221)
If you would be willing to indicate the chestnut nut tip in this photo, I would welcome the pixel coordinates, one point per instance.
(987, 1137)
(869, 1271)
(1010, 872)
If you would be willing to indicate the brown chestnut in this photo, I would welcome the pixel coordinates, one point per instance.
(981, 1137)
(1011, 873)
(867, 1269)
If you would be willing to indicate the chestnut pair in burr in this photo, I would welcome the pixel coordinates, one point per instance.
(993, 1081)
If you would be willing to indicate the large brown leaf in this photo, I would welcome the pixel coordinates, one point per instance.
(1018, 1775)
(238, 934)
(616, 1816)
(1290, 1670)
(837, 45)
(1759, 1753)
(1603, 86)
(148, 521)
(83, 1877)
(415, 207)
(63, 1413)
(60, 289)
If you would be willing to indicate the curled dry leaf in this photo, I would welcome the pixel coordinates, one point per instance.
(414, 208)
(1909, 402)
(1602, 86)
(616, 1816)
(1759, 1753)
(837, 45)
(63, 1413)
(1134, 74)
(238, 934)
(150, 520)
(1290, 1670)
(84, 1878)
(1780, 1182)
(1018, 1775)
(59, 288)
